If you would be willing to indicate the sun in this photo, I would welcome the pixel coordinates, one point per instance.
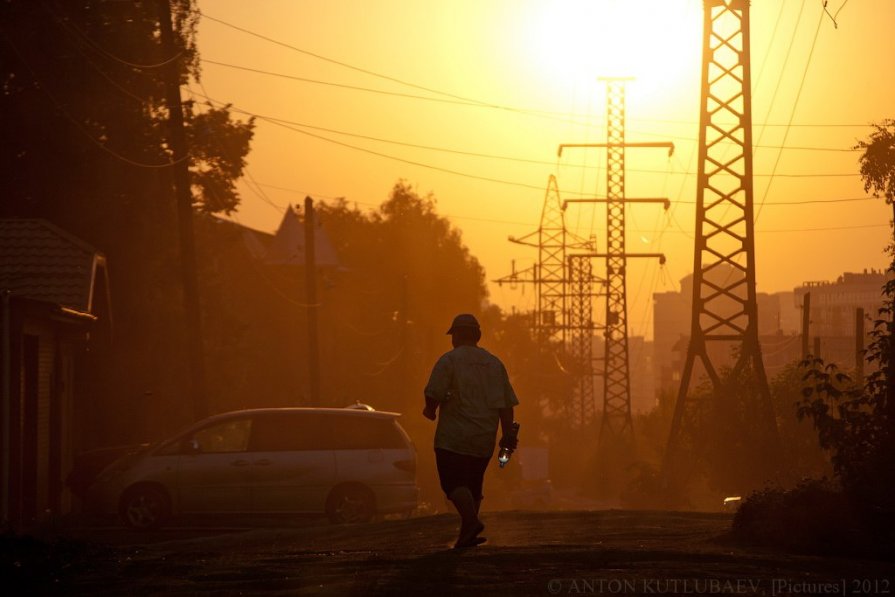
(570, 43)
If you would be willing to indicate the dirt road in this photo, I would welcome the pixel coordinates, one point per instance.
(528, 553)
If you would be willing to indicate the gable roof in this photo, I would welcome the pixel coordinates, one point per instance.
(40, 261)
(288, 244)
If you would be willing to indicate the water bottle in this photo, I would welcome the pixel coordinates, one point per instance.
(503, 457)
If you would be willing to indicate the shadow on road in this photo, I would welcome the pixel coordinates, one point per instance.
(437, 571)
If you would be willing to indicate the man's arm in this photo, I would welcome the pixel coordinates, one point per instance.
(506, 413)
(437, 389)
(508, 440)
(506, 420)
(431, 408)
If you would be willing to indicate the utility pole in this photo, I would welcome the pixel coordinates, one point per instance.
(724, 307)
(404, 321)
(180, 167)
(859, 346)
(617, 423)
(806, 323)
(311, 300)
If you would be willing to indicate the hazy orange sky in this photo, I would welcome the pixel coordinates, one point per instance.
(514, 79)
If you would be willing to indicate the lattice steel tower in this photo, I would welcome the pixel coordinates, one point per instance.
(549, 274)
(724, 311)
(564, 285)
(616, 421)
(581, 333)
(551, 267)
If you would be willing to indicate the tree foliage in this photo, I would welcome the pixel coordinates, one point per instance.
(878, 160)
(854, 422)
(86, 145)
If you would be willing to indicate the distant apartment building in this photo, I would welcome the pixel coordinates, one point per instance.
(832, 325)
(778, 321)
(834, 311)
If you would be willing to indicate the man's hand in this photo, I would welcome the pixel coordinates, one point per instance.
(429, 413)
(509, 441)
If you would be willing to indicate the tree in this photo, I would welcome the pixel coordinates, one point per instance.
(85, 145)
(878, 172)
(878, 161)
(855, 424)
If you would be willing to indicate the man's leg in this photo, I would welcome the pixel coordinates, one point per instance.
(470, 525)
(453, 472)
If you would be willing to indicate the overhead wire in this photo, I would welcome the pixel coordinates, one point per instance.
(792, 39)
(74, 121)
(248, 180)
(792, 114)
(299, 128)
(101, 50)
(99, 70)
(412, 96)
(447, 94)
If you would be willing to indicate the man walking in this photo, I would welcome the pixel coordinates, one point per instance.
(471, 388)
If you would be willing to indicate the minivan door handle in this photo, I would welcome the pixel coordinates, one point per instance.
(239, 463)
(263, 462)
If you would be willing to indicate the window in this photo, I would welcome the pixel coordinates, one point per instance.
(366, 433)
(286, 432)
(229, 436)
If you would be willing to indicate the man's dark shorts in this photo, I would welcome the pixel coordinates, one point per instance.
(460, 470)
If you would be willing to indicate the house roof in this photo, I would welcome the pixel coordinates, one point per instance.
(40, 261)
(288, 244)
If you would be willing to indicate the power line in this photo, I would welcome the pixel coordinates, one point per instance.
(659, 232)
(460, 99)
(776, 124)
(61, 109)
(563, 117)
(247, 179)
(274, 119)
(792, 114)
(99, 49)
(357, 68)
(74, 35)
(340, 85)
(406, 95)
(297, 127)
(789, 47)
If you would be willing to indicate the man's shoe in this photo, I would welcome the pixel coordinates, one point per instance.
(470, 537)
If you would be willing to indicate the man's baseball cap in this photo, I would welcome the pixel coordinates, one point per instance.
(464, 320)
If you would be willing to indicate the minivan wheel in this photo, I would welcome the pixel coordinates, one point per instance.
(350, 504)
(145, 507)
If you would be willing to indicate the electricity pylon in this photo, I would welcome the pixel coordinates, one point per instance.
(564, 288)
(581, 332)
(549, 274)
(616, 422)
(724, 309)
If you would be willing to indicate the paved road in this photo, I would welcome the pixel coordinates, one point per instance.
(528, 553)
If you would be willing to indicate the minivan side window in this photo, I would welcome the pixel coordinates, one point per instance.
(228, 436)
(288, 432)
(366, 433)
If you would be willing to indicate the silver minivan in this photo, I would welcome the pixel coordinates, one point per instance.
(350, 464)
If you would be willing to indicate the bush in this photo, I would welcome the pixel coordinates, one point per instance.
(813, 517)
